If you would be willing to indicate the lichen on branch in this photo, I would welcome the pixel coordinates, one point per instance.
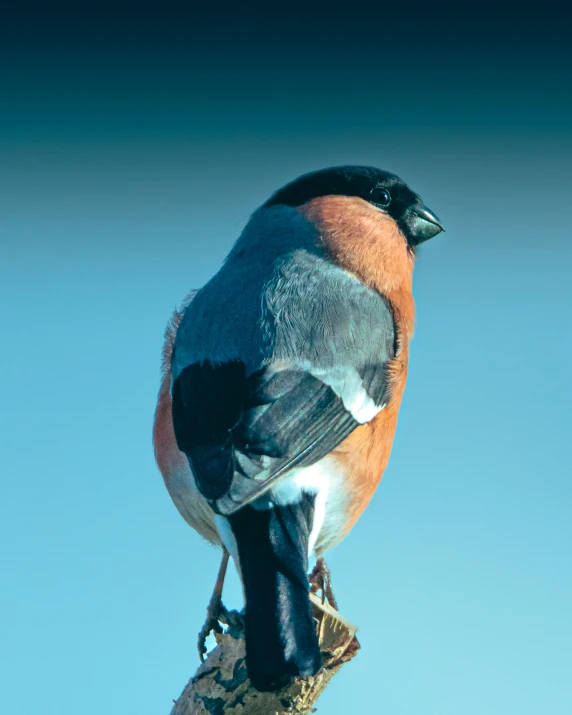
(221, 685)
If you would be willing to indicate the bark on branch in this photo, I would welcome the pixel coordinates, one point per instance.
(221, 686)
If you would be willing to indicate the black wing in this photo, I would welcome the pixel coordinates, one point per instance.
(242, 434)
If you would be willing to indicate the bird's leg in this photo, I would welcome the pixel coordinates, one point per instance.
(214, 608)
(321, 580)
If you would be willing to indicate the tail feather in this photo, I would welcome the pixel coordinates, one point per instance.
(281, 639)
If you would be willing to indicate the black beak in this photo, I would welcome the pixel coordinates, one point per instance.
(421, 225)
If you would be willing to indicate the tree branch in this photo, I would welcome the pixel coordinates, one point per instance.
(221, 686)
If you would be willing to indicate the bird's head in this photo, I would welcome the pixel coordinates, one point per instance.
(368, 220)
(382, 190)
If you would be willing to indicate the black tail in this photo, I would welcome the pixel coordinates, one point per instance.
(281, 639)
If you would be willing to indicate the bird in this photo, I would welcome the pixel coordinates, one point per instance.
(281, 386)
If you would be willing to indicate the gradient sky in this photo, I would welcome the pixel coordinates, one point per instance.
(133, 147)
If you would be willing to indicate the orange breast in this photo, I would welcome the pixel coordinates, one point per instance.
(172, 463)
(364, 454)
(169, 458)
(369, 243)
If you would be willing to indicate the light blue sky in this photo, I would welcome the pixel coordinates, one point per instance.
(459, 574)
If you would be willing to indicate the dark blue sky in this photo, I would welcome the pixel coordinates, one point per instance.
(91, 71)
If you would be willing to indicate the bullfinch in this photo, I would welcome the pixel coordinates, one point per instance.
(282, 381)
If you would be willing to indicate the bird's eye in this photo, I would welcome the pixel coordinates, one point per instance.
(381, 197)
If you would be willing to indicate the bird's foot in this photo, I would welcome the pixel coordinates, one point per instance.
(215, 611)
(321, 580)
